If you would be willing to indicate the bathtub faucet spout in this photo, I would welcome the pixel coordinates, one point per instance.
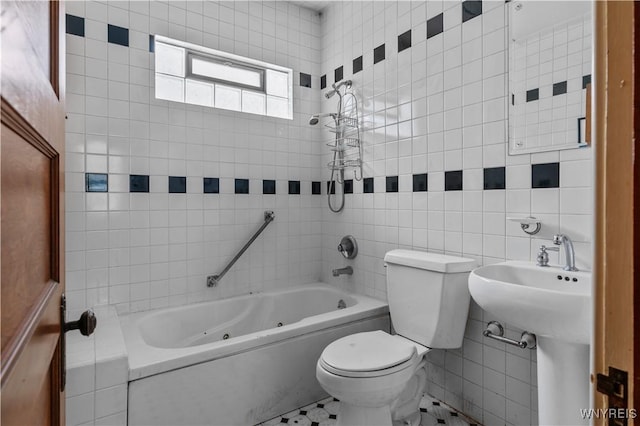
(348, 270)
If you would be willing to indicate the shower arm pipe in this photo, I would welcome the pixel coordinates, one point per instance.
(214, 280)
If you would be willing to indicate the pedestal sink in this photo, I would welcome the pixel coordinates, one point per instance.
(555, 305)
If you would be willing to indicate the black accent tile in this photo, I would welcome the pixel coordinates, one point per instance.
(97, 182)
(315, 424)
(303, 412)
(320, 405)
(453, 181)
(434, 26)
(436, 403)
(284, 420)
(392, 183)
(471, 9)
(420, 182)
(336, 399)
(454, 414)
(333, 416)
(177, 184)
(338, 73)
(545, 175)
(586, 79)
(441, 421)
(268, 186)
(513, 99)
(75, 25)
(348, 186)
(242, 186)
(305, 80)
(494, 178)
(323, 82)
(294, 187)
(357, 64)
(378, 54)
(118, 35)
(331, 187)
(423, 410)
(404, 41)
(211, 185)
(152, 43)
(316, 189)
(138, 183)
(367, 185)
(559, 88)
(533, 95)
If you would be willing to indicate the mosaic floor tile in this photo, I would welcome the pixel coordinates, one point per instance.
(325, 413)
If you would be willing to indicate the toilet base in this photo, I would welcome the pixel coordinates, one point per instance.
(352, 415)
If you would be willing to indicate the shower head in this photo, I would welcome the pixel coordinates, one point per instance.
(316, 117)
(337, 87)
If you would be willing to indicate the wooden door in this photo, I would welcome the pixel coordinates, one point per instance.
(617, 242)
(32, 209)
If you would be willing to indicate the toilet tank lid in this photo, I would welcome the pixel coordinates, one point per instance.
(430, 261)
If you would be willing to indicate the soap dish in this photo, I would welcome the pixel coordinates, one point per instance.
(526, 223)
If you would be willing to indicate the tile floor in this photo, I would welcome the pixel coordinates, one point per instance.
(325, 413)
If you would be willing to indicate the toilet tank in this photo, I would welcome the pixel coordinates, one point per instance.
(428, 296)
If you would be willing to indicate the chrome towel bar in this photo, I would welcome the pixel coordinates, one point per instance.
(495, 331)
(213, 280)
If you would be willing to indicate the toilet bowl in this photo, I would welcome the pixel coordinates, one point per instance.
(379, 378)
(368, 373)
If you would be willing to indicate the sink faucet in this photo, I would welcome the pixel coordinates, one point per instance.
(348, 270)
(565, 241)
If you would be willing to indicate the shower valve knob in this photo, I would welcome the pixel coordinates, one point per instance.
(348, 247)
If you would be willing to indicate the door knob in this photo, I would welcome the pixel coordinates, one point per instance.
(86, 324)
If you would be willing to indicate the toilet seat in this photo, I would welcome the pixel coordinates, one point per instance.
(370, 354)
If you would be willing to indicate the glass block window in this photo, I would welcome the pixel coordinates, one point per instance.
(196, 75)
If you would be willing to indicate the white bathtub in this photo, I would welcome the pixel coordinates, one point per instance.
(184, 370)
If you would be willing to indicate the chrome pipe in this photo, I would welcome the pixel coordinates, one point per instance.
(214, 280)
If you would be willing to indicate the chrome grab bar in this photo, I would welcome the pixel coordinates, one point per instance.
(495, 331)
(213, 280)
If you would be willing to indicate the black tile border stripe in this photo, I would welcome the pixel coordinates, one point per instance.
(177, 184)
(138, 183)
(471, 9)
(404, 41)
(435, 26)
(379, 54)
(118, 35)
(96, 182)
(357, 64)
(494, 178)
(305, 80)
(453, 180)
(74, 25)
(545, 175)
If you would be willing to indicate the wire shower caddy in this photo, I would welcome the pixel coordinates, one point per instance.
(347, 140)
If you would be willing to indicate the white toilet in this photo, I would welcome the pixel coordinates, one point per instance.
(379, 378)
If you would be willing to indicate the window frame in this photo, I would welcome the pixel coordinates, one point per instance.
(190, 55)
(208, 54)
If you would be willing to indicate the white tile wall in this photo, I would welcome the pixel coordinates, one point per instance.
(97, 374)
(438, 106)
(148, 250)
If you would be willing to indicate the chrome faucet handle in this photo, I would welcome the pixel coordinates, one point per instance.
(543, 257)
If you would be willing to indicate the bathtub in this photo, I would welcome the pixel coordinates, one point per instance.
(238, 361)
